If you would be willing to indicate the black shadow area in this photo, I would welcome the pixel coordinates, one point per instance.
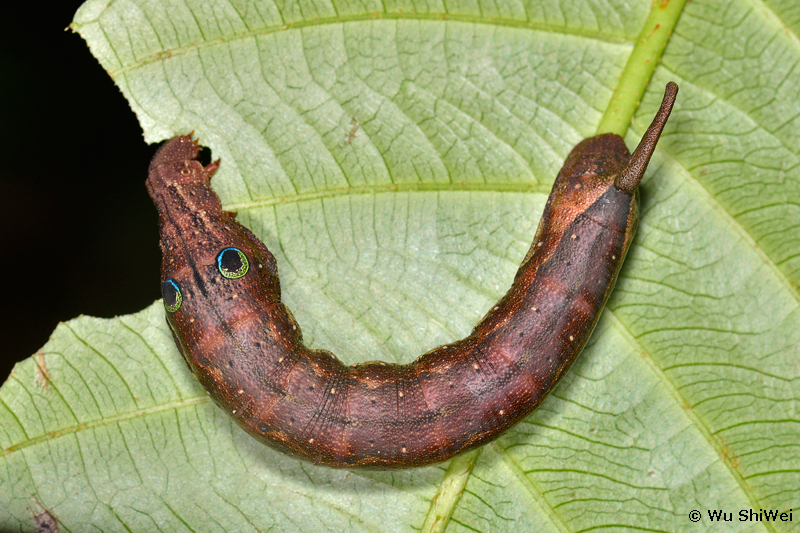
(78, 233)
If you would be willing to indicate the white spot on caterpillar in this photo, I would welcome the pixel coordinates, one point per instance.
(500, 412)
(535, 308)
(403, 449)
(240, 391)
(475, 366)
(233, 411)
(294, 327)
(573, 236)
(333, 391)
(400, 394)
(613, 256)
(311, 441)
(571, 338)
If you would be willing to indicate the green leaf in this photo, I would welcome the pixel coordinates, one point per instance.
(396, 157)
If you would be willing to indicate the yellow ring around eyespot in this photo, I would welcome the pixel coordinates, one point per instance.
(233, 273)
(171, 308)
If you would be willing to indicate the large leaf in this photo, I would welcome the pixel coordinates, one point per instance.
(398, 236)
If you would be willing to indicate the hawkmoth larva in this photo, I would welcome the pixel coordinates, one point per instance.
(223, 302)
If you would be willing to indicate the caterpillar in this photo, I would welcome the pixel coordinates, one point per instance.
(223, 305)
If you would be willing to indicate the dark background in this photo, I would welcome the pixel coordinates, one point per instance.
(78, 233)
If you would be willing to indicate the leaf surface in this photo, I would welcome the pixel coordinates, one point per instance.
(396, 157)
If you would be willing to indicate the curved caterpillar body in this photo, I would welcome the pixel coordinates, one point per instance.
(223, 302)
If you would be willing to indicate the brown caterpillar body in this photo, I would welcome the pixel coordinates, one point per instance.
(223, 299)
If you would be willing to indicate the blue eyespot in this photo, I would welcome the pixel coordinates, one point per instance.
(232, 263)
(172, 296)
